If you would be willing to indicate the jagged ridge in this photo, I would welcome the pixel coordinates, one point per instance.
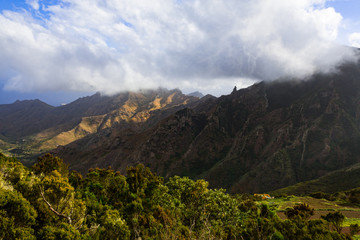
(265, 137)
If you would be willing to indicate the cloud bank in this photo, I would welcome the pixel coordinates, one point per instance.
(354, 39)
(116, 45)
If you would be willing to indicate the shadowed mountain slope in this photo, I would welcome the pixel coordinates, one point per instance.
(261, 138)
(337, 181)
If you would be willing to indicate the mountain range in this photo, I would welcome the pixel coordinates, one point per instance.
(31, 126)
(265, 137)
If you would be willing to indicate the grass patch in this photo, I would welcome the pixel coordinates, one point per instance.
(318, 204)
(349, 221)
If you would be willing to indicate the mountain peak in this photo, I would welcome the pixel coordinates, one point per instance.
(31, 101)
(196, 94)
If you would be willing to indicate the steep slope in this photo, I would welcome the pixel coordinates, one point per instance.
(34, 127)
(132, 110)
(308, 129)
(265, 137)
(23, 118)
(336, 181)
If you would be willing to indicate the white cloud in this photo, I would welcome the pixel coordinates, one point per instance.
(354, 40)
(116, 45)
(34, 4)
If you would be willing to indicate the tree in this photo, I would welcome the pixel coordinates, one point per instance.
(259, 223)
(143, 185)
(62, 231)
(112, 226)
(48, 163)
(190, 199)
(58, 200)
(107, 186)
(302, 211)
(336, 219)
(354, 229)
(76, 179)
(17, 216)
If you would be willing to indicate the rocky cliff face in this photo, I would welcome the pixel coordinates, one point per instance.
(265, 137)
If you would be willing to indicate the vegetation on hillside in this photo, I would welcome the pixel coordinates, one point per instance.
(49, 202)
(330, 185)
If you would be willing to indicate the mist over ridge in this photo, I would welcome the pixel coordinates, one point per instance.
(116, 46)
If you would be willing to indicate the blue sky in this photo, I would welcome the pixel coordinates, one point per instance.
(347, 8)
(16, 5)
(58, 50)
(11, 4)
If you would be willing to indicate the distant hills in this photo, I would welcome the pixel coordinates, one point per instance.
(35, 127)
(262, 138)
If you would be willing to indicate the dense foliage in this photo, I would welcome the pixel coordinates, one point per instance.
(49, 202)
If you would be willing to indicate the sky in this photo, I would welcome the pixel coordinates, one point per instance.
(58, 50)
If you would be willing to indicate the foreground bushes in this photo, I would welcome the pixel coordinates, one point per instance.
(48, 202)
